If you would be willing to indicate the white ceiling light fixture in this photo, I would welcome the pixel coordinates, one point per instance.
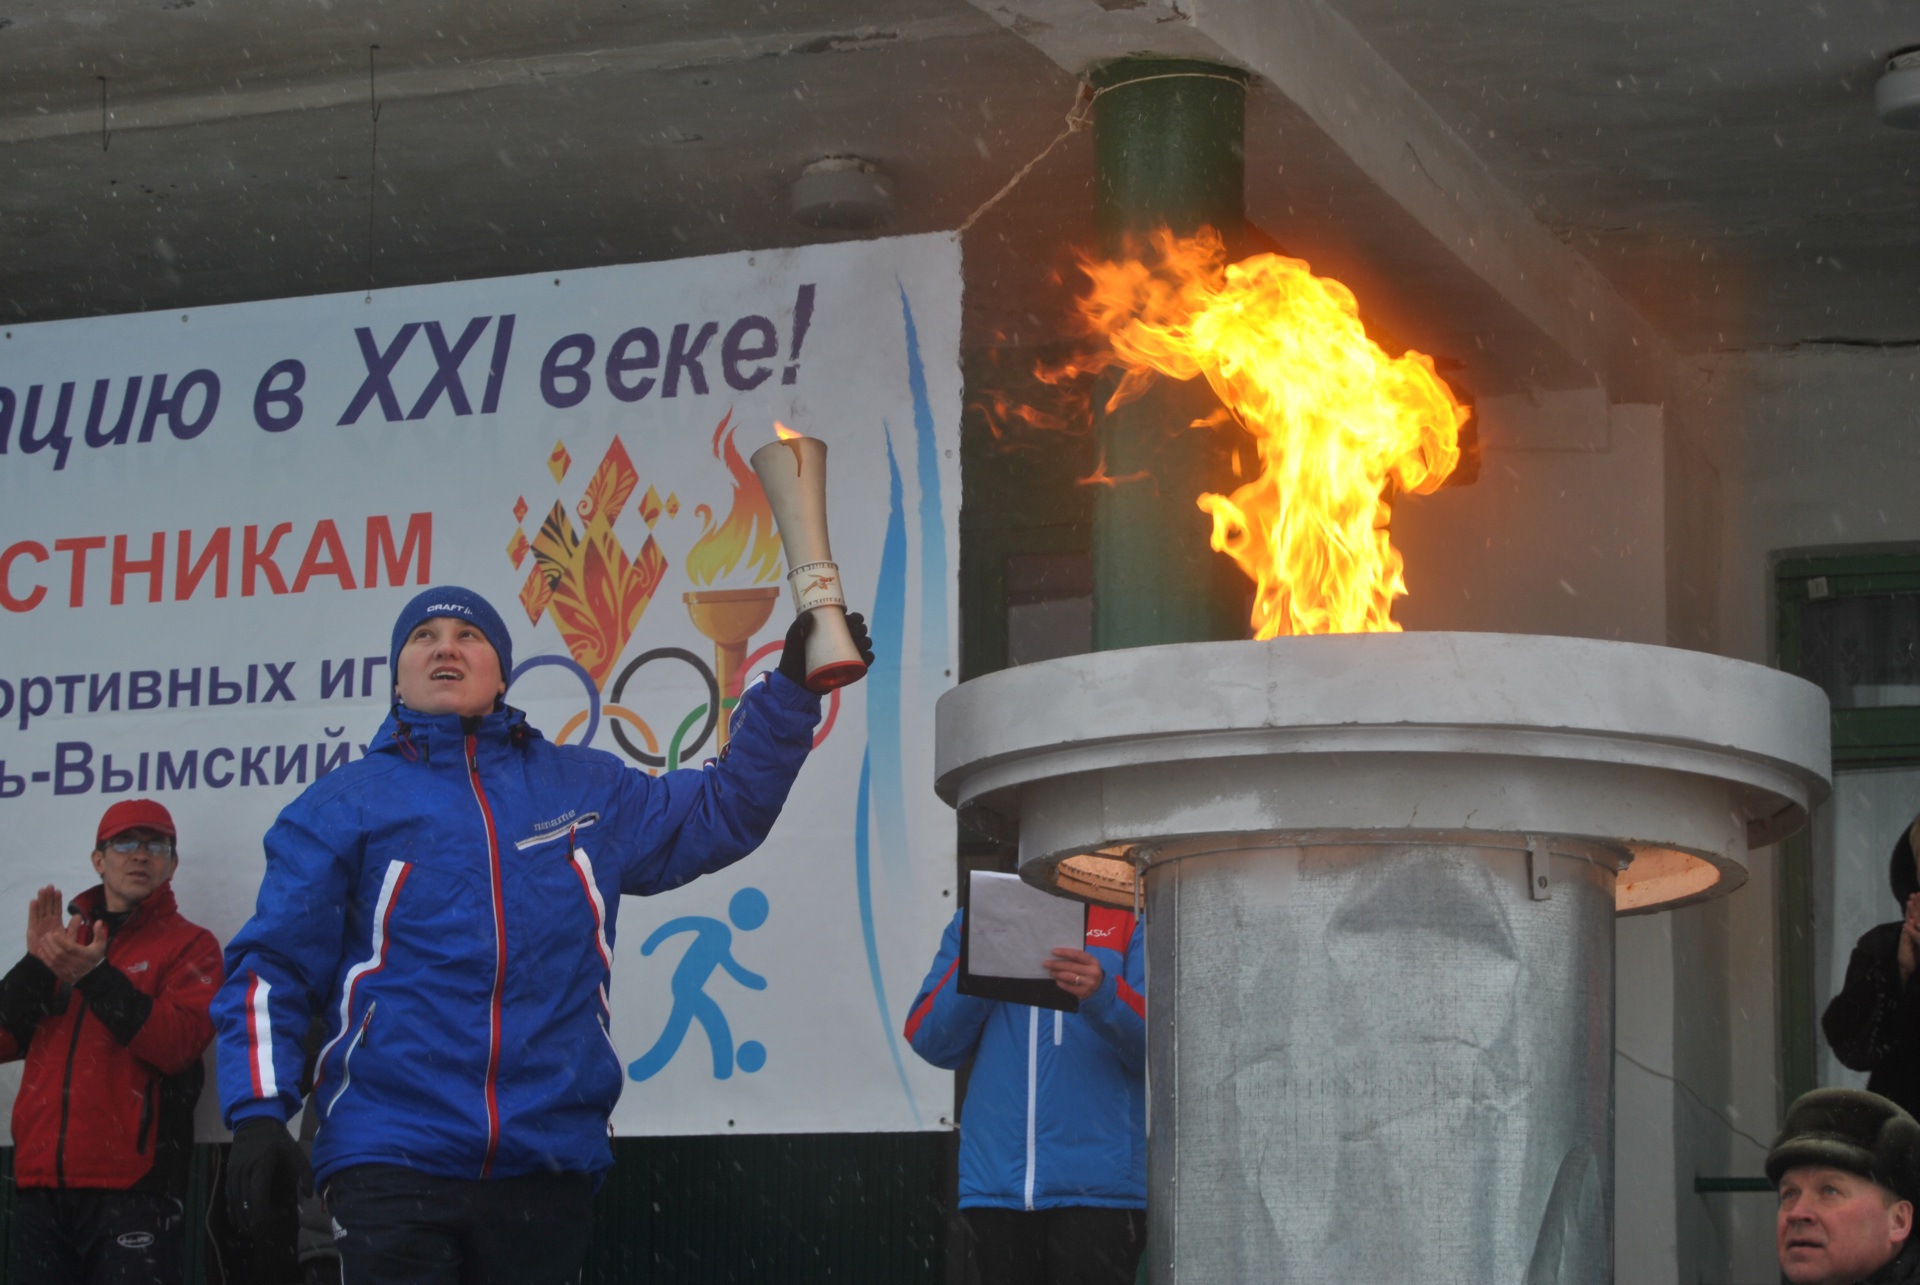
(1897, 95)
(843, 192)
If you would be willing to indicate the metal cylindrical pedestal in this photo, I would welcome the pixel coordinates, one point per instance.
(1382, 1062)
(1380, 1046)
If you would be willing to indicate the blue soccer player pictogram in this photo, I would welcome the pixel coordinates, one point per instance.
(711, 948)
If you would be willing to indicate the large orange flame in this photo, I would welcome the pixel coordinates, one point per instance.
(1338, 424)
(747, 532)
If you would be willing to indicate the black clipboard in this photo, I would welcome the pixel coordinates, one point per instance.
(1040, 992)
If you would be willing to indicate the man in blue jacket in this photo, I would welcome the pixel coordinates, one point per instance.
(1053, 1151)
(445, 907)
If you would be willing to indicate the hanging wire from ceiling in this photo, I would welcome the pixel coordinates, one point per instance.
(1079, 116)
(373, 164)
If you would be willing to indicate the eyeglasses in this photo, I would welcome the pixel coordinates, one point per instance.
(154, 847)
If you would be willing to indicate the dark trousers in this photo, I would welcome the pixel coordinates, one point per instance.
(90, 1237)
(1077, 1246)
(394, 1226)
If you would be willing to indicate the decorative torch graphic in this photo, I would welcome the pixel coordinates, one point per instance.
(793, 470)
(730, 617)
(746, 536)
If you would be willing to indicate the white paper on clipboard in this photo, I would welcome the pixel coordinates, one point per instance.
(1012, 927)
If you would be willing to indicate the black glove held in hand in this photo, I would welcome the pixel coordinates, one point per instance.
(793, 655)
(267, 1174)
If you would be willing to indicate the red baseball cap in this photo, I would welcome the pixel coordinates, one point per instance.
(135, 814)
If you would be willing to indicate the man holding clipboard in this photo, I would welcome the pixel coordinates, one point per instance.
(1047, 998)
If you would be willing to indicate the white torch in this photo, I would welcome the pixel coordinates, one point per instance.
(793, 471)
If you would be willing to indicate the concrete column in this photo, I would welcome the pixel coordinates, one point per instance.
(1167, 139)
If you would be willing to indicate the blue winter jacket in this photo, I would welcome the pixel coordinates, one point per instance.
(445, 907)
(1055, 1114)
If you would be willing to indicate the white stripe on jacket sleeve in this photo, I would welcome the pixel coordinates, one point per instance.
(260, 1035)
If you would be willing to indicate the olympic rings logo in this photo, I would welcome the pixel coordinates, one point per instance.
(685, 742)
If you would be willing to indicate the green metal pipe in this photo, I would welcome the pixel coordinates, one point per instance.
(1168, 148)
(1168, 152)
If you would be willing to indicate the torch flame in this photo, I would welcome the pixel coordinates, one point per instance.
(784, 433)
(1338, 424)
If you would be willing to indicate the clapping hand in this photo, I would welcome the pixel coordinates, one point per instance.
(71, 952)
(43, 917)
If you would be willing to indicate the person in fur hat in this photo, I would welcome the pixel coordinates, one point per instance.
(1845, 1168)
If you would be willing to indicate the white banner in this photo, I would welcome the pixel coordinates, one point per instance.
(208, 521)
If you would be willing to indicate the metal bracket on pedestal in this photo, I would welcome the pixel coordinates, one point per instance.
(1539, 868)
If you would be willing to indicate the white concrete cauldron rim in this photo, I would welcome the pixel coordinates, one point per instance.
(1675, 761)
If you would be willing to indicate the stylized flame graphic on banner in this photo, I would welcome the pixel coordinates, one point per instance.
(748, 532)
(594, 594)
(610, 488)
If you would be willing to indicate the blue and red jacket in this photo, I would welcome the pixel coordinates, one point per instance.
(1056, 1105)
(445, 907)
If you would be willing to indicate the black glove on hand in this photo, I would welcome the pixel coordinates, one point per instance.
(857, 626)
(267, 1175)
(793, 655)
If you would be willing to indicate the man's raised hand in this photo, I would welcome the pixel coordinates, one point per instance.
(43, 917)
(74, 951)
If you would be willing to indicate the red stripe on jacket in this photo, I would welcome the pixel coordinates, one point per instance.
(593, 907)
(353, 987)
(925, 1006)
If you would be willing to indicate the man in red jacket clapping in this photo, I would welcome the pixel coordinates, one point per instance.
(109, 1011)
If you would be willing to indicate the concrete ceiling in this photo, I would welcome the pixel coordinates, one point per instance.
(512, 137)
(1719, 165)
(1720, 160)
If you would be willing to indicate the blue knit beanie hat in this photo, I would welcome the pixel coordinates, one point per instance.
(460, 604)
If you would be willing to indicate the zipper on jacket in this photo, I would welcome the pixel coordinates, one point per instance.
(346, 1062)
(146, 1118)
(1033, 1087)
(75, 999)
(66, 1090)
(494, 1014)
